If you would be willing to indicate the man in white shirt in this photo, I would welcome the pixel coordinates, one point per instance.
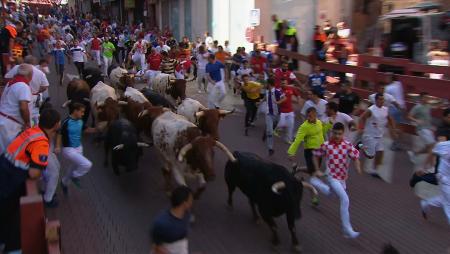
(395, 89)
(78, 55)
(15, 106)
(38, 84)
(162, 47)
(140, 49)
(442, 151)
(208, 40)
(202, 61)
(373, 123)
(316, 102)
(334, 116)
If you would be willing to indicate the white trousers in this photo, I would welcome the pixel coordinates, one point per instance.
(78, 165)
(139, 59)
(201, 79)
(51, 177)
(442, 200)
(106, 63)
(338, 187)
(8, 132)
(216, 94)
(96, 55)
(287, 121)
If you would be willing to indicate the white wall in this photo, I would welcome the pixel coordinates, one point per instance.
(199, 17)
(302, 12)
(230, 20)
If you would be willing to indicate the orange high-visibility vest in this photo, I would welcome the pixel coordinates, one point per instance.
(29, 149)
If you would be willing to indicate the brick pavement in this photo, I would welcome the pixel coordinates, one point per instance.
(113, 214)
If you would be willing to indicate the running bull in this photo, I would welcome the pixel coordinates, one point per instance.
(270, 187)
(185, 152)
(122, 141)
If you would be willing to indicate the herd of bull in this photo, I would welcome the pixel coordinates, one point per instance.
(185, 134)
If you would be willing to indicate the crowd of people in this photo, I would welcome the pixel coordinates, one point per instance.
(332, 127)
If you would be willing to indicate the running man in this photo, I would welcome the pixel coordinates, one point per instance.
(337, 151)
(216, 85)
(170, 228)
(72, 149)
(287, 114)
(373, 124)
(251, 95)
(312, 132)
(108, 54)
(272, 113)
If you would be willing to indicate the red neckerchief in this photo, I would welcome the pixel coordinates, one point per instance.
(17, 79)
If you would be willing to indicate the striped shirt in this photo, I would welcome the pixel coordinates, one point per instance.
(168, 66)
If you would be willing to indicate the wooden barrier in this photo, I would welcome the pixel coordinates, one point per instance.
(37, 235)
(439, 88)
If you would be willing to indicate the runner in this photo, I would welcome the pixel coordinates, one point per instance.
(312, 133)
(216, 86)
(334, 116)
(316, 102)
(287, 115)
(78, 56)
(108, 54)
(272, 98)
(317, 81)
(251, 95)
(373, 123)
(337, 151)
(202, 61)
(347, 99)
(69, 144)
(59, 54)
(95, 48)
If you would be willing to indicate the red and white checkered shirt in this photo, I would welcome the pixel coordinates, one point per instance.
(336, 155)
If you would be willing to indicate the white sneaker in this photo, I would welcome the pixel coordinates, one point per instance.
(199, 91)
(351, 234)
(412, 156)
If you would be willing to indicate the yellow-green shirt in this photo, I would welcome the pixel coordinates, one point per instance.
(310, 133)
(250, 86)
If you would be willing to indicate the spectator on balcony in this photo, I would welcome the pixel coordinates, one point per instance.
(277, 27)
(319, 41)
(25, 157)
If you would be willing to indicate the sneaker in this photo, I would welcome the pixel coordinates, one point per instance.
(423, 209)
(351, 234)
(275, 133)
(412, 156)
(64, 189)
(199, 91)
(76, 181)
(359, 145)
(52, 203)
(315, 201)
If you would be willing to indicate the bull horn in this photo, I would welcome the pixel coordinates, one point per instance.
(276, 187)
(310, 187)
(123, 103)
(86, 99)
(199, 114)
(225, 112)
(226, 151)
(118, 147)
(143, 113)
(166, 109)
(183, 151)
(142, 144)
(66, 103)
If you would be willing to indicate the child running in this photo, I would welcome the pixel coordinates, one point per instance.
(72, 149)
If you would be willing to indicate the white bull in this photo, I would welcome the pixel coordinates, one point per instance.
(115, 76)
(99, 93)
(188, 108)
(135, 95)
(186, 153)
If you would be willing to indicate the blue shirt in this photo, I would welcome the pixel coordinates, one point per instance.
(59, 56)
(71, 131)
(213, 69)
(168, 229)
(317, 81)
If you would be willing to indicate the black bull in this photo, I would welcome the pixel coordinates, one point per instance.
(256, 178)
(122, 140)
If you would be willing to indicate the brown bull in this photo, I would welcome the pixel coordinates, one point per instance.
(208, 121)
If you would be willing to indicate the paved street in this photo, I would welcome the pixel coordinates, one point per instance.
(113, 214)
